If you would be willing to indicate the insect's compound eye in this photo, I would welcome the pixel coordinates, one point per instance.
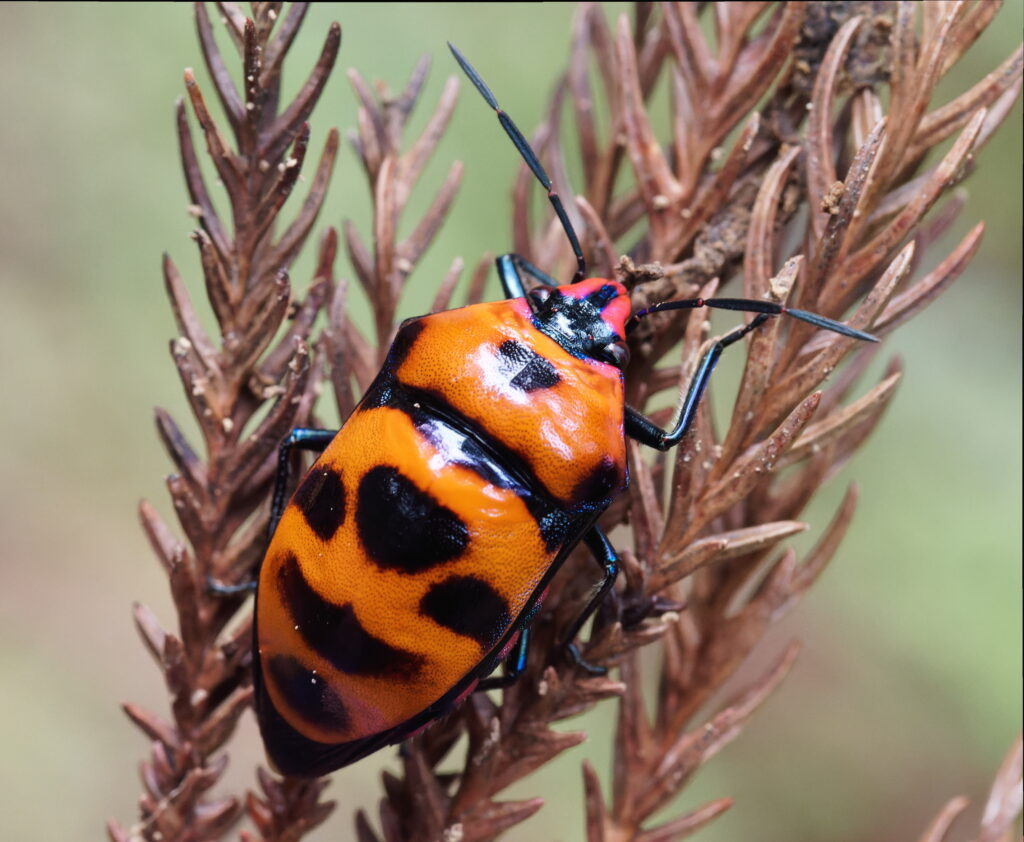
(617, 354)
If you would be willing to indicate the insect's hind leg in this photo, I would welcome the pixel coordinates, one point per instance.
(645, 431)
(606, 556)
(302, 438)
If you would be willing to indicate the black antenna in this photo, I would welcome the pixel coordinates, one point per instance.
(512, 130)
(749, 306)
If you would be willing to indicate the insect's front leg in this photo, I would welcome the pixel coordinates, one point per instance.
(645, 431)
(303, 438)
(509, 268)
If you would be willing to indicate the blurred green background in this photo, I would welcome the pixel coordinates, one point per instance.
(908, 689)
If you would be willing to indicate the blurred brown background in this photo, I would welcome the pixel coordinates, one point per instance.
(908, 690)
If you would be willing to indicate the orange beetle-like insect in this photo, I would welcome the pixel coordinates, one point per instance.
(414, 553)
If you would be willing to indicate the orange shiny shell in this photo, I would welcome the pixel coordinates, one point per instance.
(410, 551)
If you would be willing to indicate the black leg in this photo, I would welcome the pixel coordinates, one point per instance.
(515, 663)
(303, 438)
(645, 431)
(509, 266)
(222, 589)
(508, 274)
(605, 555)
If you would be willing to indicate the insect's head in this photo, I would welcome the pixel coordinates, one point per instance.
(587, 318)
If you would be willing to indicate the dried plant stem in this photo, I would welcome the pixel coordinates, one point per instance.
(1002, 809)
(219, 500)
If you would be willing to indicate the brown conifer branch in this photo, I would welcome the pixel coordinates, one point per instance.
(220, 496)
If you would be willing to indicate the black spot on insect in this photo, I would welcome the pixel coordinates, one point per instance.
(529, 370)
(462, 442)
(384, 390)
(404, 528)
(321, 498)
(307, 693)
(600, 484)
(468, 606)
(481, 451)
(408, 333)
(554, 525)
(381, 391)
(335, 633)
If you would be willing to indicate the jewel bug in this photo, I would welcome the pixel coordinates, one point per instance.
(410, 559)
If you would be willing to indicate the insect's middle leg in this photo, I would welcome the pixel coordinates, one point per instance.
(515, 663)
(645, 431)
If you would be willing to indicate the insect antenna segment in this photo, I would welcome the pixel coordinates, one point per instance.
(747, 305)
(529, 156)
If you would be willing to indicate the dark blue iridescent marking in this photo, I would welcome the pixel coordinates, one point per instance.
(461, 442)
(575, 324)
